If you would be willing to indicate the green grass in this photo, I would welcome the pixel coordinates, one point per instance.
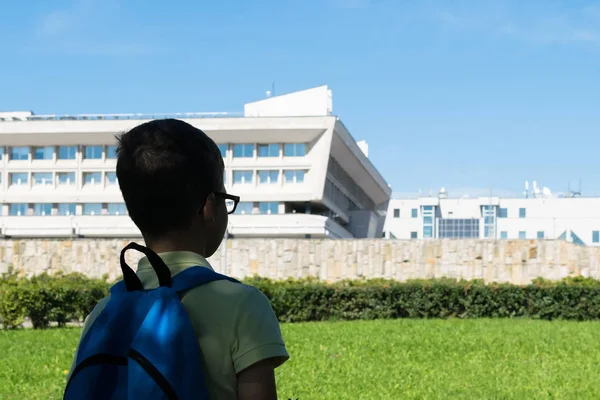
(414, 359)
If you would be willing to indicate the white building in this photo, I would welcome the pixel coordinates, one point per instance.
(538, 215)
(296, 167)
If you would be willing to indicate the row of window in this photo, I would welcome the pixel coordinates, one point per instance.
(267, 176)
(65, 209)
(246, 150)
(60, 178)
(68, 209)
(470, 230)
(243, 150)
(502, 212)
(21, 153)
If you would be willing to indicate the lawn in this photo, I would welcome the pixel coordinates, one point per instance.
(418, 359)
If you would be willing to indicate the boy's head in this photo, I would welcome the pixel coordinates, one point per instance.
(168, 172)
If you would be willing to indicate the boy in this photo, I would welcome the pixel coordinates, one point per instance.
(171, 177)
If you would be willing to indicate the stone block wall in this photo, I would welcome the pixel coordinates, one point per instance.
(331, 260)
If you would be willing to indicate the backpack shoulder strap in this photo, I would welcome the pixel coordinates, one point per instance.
(197, 276)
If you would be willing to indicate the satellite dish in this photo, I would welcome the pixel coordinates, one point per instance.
(268, 93)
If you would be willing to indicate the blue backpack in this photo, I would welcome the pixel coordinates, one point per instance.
(143, 345)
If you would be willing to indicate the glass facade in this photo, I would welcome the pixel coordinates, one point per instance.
(269, 150)
(92, 153)
(428, 228)
(294, 149)
(18, 209)
(111, 178)
(294, 176)
(19, 178)
(42, 178)
(244, 207)
(270, 207)
(242, 177)
(243, 150)
(66, 209)
(458, 228)
(19, 153)
(116, 209)
(223, 149)
(43, 153)
(268, 177)
(65, 178)
(67, 152)
(92, 209)
(42, 209)
(92, 178)
(111, 152)
(489, 221)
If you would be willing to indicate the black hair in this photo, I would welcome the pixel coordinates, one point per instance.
(166, 168)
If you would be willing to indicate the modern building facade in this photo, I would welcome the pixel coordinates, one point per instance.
(570, 218)
(296, 167)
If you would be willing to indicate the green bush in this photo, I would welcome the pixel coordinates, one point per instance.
(61, 298)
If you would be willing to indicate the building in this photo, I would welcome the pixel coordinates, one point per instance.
(536, 215)
(296, 167)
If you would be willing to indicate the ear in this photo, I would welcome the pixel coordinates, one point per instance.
(208, 211)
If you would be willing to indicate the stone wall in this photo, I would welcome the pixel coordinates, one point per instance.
(504, 261)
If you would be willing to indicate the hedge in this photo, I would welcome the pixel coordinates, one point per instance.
(69, 298)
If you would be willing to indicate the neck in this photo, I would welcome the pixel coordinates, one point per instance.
(167, 244)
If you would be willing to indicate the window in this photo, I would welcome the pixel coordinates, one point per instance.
(271, 207)
(223, 150)
(244, 207)
(92, 209)
(65, 178)
(413, 235)
(503, 235)
(111, 178)
(502, 213)
(92, 153)
(42, 178)
(294, 176)
(19, 178)
(92, 178)
(596, 237)
(111, 152)
(294, 149)
(522, 213)
(19, 153)
(458, 228)
(1, 152)
(396, 213)
(67, 152)
(269, 177)
(42, 209)
(242, 177)
(414, 213)
(18, 209)
(116, 209)
(269, 150)
(522, 235)
(66, 209)
(540, 234)
(243, 150)
(43, 153)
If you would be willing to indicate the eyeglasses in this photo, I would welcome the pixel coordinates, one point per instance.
(231, 201)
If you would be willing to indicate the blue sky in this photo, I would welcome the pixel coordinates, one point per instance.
(463, 94)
